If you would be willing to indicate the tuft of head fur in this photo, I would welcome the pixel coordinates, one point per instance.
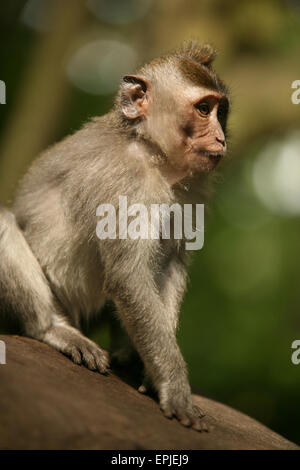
(195, 63)
(203, 54)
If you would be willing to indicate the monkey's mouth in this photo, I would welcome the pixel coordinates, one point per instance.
(215, 156)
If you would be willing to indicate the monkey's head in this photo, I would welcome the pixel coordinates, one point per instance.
(179, 104)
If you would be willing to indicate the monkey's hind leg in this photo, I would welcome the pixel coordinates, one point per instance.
(25, 294)
(24, 291)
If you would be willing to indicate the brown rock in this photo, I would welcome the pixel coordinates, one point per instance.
(47, 402)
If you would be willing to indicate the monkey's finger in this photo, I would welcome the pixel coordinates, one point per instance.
(102, 360)
(146, 385)
(102, 367)
(142, 389)
(88, 359)
(200, 427)
(186, 421)
(75, 355)
(200, 424)
(167, 411)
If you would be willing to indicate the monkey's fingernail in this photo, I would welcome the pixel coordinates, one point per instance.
(186, 422)
(167, 413)
(197, 427)
(201, 426)
(102, 371)
(142, 389)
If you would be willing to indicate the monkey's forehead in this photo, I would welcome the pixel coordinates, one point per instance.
(202, 76)
(195, 93)
(173, 72)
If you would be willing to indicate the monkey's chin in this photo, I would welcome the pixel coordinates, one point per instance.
(204, 162)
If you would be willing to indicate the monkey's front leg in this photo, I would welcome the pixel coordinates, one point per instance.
(146, 320)
(172, 285)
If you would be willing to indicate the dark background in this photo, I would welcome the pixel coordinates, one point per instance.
(62, 62)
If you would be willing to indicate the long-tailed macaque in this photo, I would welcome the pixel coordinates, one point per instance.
(159, 144)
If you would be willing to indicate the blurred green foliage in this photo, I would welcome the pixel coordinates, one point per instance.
(242, 309)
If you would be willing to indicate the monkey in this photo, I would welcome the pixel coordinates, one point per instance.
(160, 143)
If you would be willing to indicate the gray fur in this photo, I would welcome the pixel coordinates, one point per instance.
(55, 271)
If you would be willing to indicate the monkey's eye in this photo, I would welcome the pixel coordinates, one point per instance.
(203, 109)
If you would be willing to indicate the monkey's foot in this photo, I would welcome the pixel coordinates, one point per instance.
(181, 407)
(80, 349)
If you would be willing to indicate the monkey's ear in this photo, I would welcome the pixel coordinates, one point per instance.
(134, 96)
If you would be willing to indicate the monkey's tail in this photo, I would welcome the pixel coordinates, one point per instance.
(25, 295)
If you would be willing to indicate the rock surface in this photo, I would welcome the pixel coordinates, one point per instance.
(47, 402)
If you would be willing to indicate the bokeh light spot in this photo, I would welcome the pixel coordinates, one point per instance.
(119, 11)
(98, 67)
(276, 175)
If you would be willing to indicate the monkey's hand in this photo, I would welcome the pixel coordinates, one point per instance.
(176, 400)
(75, 345)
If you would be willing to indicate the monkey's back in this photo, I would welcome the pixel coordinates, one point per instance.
(54, 211)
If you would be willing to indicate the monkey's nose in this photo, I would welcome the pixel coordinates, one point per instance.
(221, 141)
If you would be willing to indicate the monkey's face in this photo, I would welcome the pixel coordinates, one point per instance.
(205, 142)
(187, 122)
(197, 140)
